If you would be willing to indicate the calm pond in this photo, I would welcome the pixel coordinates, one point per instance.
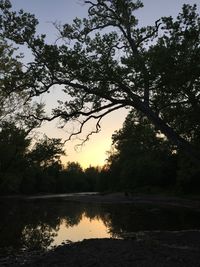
(43, 223)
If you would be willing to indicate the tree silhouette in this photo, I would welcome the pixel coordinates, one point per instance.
(141, 156)
(107, 62)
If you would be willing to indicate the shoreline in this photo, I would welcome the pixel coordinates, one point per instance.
(116, 198)
(188, 202)
(150, 249)
(121, 198)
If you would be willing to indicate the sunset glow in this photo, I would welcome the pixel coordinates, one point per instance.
(84, 230)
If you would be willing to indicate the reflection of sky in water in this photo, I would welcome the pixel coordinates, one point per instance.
(42, 223)
(87, 228)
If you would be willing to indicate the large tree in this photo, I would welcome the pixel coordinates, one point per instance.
(141, 156)
(106, 62)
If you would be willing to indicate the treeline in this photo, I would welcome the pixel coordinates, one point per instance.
(28, 169)
(141, 160)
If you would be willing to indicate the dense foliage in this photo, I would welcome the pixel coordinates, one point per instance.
(141, 156)
(38, 169)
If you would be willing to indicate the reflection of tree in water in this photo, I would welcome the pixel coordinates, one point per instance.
(34, 224)
(27, 225)
(125, 218)
(39, 237)
(93, 212)
(109, 215)
(72, 214)
(72, 221)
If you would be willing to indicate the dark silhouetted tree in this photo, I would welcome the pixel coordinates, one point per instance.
(107, 62)
(92, 176)
(46, 151)
(14, 145)
(141, 156)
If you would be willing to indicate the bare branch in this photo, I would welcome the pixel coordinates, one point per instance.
(157, 25)
(98, 127)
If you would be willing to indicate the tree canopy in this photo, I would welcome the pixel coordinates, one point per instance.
(140, 156)
(15, 106)
(106, 62)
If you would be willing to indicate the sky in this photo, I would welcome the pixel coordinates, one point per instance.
(61, 11)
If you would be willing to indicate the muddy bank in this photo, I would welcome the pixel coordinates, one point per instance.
(115, 198)
(148, 249)
(137, 199)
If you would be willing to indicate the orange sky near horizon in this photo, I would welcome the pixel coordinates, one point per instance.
(92, 152)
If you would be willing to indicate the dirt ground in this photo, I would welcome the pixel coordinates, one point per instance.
(161, 200)
(150, 249)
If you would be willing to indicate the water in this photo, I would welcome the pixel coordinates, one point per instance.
(43, 223)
